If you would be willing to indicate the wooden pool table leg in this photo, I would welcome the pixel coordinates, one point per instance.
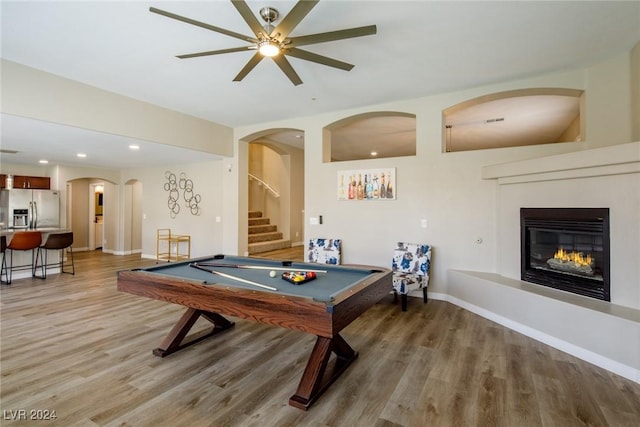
(174, 340)
(313, 383)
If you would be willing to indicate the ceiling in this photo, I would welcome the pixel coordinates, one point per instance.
(421, 48)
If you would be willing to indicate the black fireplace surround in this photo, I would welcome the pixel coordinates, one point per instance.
(566, 249)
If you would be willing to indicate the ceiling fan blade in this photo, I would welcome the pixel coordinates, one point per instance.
(203, 25)
(255, 59)
(249, 17)
(216, 52)
(293, 18)
(333, 35)
(286, 68)
(319, 59)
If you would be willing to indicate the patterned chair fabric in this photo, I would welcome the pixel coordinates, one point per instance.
(410, 266)
(324, 251)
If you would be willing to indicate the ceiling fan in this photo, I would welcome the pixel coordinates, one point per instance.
(274, 41)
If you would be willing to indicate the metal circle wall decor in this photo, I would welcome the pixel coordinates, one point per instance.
(173, 187)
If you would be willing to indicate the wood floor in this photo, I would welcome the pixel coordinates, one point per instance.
(76, 346)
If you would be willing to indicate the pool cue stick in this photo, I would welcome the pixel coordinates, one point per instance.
(257, 267)
(229, 276)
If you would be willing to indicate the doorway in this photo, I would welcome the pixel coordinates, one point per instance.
(275, 188)
(96, 215)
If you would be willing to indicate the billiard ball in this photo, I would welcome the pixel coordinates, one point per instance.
(272, 273)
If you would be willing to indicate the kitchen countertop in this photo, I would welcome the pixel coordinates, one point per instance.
(43, 230)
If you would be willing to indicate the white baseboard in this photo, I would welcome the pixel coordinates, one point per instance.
(630, 372)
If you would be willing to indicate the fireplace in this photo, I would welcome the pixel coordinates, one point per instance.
(566, 249)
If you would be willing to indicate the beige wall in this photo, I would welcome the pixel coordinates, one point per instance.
(205, 230)
(28, 92)
(446, 189)
(80, 214)
(461, 208)
(608, 101)
(28, 170)
(35, 94)
(635, 93)
(132, 217)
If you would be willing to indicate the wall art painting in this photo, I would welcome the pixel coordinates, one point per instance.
(173, 186)
(367, 184)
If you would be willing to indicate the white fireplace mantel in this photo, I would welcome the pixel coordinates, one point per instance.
(604, 333)
(610, 160)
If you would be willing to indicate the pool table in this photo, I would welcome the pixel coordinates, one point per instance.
(322, 307)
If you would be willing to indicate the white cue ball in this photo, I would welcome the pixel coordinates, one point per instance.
(272, 273)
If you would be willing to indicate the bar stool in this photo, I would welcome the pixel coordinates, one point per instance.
(21, 241)
(59, 242)
(3, 251)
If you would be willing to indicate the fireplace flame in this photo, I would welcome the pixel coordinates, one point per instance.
(576, 257)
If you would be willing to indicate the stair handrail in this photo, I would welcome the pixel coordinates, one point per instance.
(267, 186)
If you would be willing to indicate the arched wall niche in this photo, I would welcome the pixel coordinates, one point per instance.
(515, 118)
(377, 134)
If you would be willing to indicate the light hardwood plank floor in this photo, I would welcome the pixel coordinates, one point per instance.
(76, 346)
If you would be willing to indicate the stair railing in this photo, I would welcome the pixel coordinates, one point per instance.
(265, 185)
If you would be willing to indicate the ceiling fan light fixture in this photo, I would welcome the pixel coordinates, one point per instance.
(268, 48)
(274, 41)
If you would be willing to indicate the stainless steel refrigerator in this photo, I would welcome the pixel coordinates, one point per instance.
(25, 208)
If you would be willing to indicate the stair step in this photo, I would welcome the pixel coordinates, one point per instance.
(259, 221)
(255, 214)
(256, 248)
(264, 237)
(254, 229)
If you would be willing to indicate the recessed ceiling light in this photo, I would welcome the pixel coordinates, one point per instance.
(81, 155)
(134, 147)
(44, 162)
(374, 153)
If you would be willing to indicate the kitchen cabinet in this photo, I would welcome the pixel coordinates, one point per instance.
(33, 182)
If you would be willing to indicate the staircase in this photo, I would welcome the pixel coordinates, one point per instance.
(263, 236)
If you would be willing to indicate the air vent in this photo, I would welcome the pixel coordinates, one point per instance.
(3, 151)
